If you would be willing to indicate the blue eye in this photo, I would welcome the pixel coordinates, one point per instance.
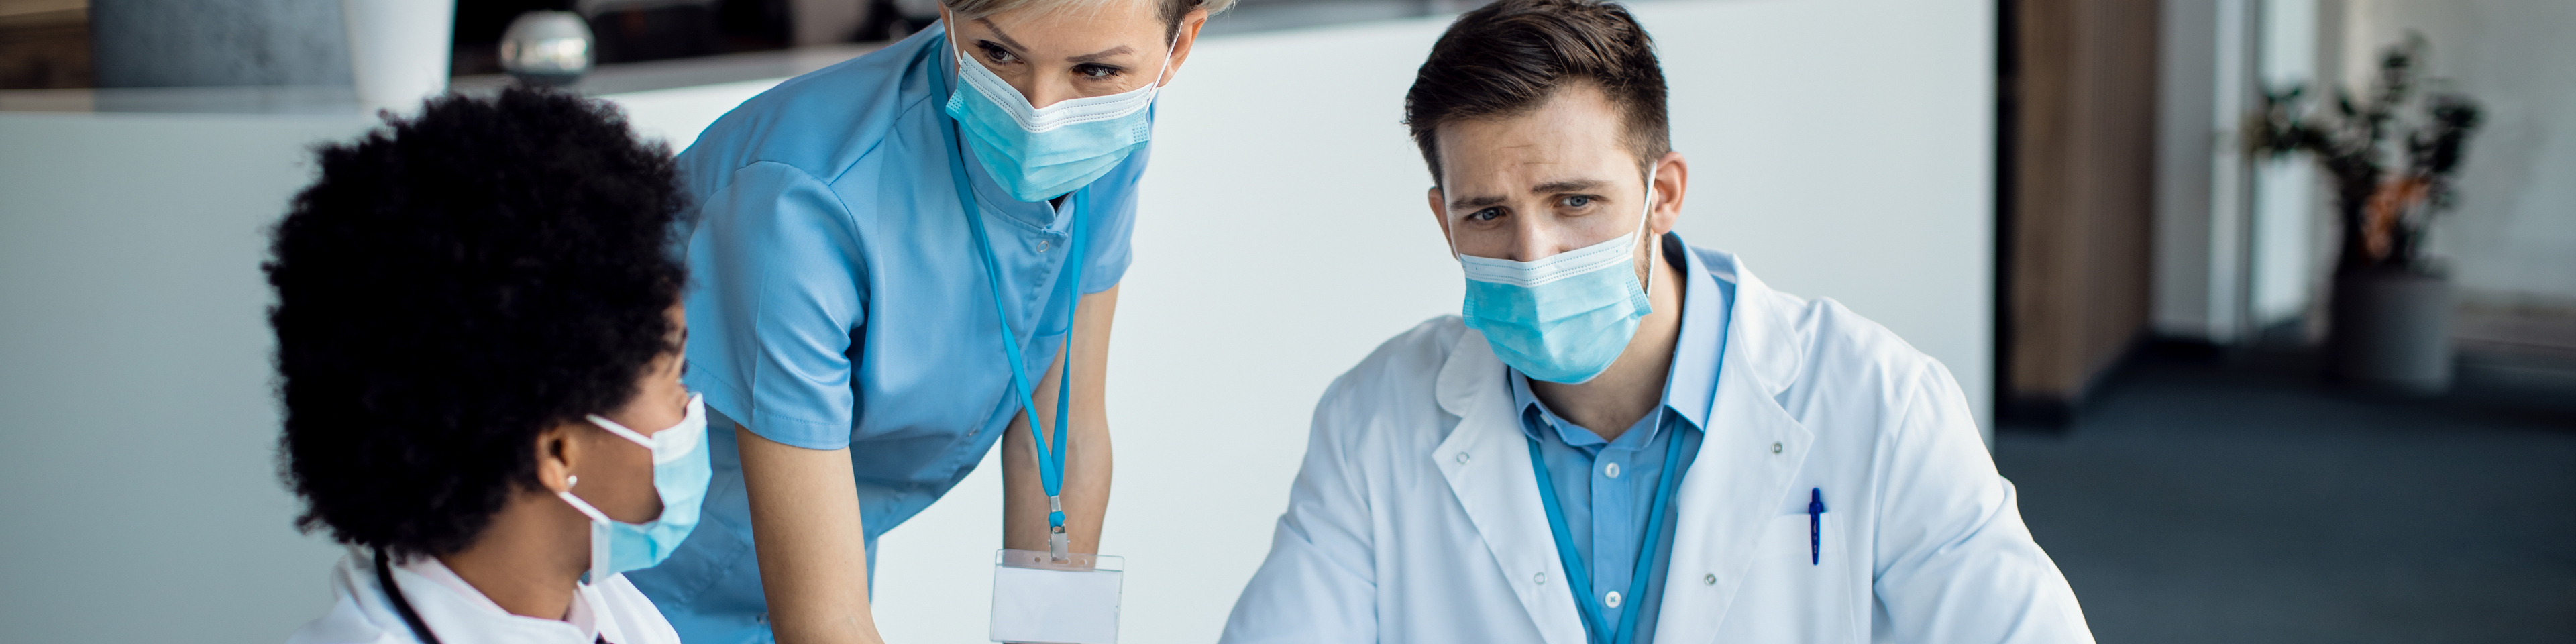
(1097, 72)
(1578, 201)
(1488, 214)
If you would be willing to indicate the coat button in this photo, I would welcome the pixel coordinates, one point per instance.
(1708, 579)
(1775, 448)
(1611, 470)
(1462, 458)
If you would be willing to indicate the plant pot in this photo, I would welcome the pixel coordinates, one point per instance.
(2392, 330)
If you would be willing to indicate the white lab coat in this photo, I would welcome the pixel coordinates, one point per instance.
(1416, 518)
(362, 613)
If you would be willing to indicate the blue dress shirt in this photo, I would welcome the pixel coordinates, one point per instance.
(1607, 487)
(837, 300)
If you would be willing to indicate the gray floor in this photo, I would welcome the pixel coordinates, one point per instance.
(2249, 502)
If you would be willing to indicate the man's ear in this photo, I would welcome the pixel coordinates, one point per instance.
(556, 452)
(1672, 182)
(1189, 35)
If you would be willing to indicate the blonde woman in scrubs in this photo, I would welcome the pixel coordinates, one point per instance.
(898, 260)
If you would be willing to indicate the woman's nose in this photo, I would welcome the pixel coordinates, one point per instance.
(1044, 91)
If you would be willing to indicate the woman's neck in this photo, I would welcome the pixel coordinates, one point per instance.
(530, 557)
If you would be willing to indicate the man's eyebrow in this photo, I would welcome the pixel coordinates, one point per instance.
(1473, 203)
(1113, 51)
(1567, 185)
(997, 33)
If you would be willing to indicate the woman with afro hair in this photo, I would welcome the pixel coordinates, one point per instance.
(479, 340)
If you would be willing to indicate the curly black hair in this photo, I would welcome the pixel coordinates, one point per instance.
(453, 284)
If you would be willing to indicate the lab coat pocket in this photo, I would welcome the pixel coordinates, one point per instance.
(1797, 588)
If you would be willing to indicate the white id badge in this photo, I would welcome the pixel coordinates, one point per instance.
(1040, 601)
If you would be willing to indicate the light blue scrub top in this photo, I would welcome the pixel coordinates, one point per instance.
(1606, 514)
(837, 300)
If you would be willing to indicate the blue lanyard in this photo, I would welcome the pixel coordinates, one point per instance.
(1050, 461)
(1597, 627)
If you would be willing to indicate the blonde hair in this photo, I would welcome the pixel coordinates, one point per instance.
(1172, 9)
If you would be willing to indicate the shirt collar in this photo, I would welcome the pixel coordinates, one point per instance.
(1691, 387)
(466, 614)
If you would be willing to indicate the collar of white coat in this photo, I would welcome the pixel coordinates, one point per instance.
(454, 610)
(1751, 450)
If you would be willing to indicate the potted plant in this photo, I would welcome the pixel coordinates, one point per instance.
(2393, 157)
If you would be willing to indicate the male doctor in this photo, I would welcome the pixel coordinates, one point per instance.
(1623, 438)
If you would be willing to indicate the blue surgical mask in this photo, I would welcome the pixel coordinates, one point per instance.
(680, 475)
(1565, 317)
(1040, 153)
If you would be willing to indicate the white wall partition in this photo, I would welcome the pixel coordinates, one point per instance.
(141, 498)
(2291, 248)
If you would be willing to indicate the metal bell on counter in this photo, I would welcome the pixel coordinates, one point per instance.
(550, 48)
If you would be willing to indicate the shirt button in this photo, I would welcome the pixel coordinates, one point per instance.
(1042, 245)
(1611, 600)
(1708, 579)
(1541, 578)
(1775, 448)
(1611, 470)
(1462, 458)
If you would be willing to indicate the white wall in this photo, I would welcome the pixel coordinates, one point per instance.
(2513, 237)
(2186, 88)
(2289, 261)
(138, 494)
(1842, 146)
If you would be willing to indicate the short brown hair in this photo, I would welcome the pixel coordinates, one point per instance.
(1504, 59)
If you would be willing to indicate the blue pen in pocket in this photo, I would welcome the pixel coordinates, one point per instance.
(1816, 526)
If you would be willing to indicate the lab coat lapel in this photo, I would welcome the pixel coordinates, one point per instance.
(1486, 461)
(1750, 454)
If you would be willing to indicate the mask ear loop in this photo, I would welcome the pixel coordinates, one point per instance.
(1169, 48)
(598, 527)
(621, 431)
(1654, 246)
